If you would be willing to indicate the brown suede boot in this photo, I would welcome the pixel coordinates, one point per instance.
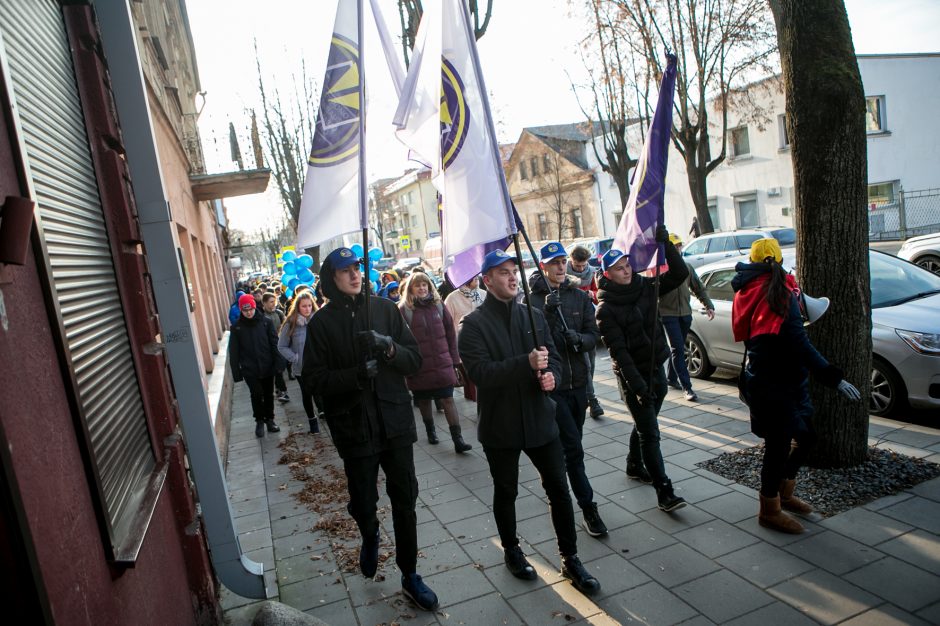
(789, 502)
(772, 517)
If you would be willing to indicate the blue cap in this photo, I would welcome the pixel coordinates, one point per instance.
(610, 257)
(342, 257)
(494, 258)
(551, 250)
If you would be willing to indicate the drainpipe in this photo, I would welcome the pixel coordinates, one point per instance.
(240, 574)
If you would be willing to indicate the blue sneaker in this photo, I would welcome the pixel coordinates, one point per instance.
(369, 556)
(413, 587)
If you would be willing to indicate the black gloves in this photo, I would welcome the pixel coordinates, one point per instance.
(573, 339)
(367, 369)
(662, 235)
(552, 301)
(371, 343)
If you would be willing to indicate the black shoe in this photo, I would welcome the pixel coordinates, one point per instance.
(283, 397)
(369, 556)
(413, 587)
(596, 409)
(636, 471)
(314, 425)
(572, 569)
(460, 445)
(518, 565)
(259, 429)
(432, 433)
(593, 523)
(667, 498)
(675, 385)
(272, 427)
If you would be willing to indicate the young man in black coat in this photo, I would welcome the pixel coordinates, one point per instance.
(359, 371)
(253, 357)
(514, 372)
(628, 319)
(570, 315)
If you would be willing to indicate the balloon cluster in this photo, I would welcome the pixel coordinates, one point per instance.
(296, 271)
(374, 255)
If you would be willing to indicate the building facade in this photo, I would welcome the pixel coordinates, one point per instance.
(407, 212)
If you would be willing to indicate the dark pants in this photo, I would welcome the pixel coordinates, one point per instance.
(644, 440)
(677, 329)
(279, 383)
(787, 446)
(362, 474)
(592, 360)
(262, 397)
(550, 464)
(570, 405)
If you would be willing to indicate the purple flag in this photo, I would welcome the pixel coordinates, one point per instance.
(636, 234)
(467, 264)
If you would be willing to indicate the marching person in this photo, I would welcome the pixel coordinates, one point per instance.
(459, 303)
(570, 316)
(580, 270)
(276, 315)
(360, 374)
(253, 356)
(630, 326)
(766, 315)
(513, 372)
(290, 342)
(433, 328)
(676, 313)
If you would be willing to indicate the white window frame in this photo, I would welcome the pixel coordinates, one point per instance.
(882, 117)
(737, 209)
(734, 153)
(783, 139)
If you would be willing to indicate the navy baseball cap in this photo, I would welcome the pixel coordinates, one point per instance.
(494, 258)
(342, 257)
(551, 250)
(610, 257)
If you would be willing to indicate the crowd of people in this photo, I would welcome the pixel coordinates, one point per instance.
(362, 366)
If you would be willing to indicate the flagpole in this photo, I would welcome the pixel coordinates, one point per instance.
(363, 195)
(525, 290)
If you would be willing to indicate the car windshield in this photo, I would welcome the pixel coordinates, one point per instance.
(785, 236)
(895, 282)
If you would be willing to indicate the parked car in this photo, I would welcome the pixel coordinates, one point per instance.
(406, 263)
(386, 262)
(736, 243)
(924, 251)
(905, 300)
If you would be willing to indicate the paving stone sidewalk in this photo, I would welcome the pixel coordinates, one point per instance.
(707, 563)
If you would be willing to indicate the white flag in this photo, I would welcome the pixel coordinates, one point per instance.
(331, 204)
(444, 116)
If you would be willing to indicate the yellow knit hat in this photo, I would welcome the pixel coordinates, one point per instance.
(675, 239)
(763, 248)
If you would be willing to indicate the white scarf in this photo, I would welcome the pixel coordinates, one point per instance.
(473, 295)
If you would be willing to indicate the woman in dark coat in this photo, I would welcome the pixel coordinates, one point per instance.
(433, 328)
(254, 358)
(766, 316)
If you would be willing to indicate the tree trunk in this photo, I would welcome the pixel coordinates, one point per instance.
(825, 120)
(699, 191)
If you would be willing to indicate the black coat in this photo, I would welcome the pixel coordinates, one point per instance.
(578, 311)
(628, 317)
(494, 343)
(252, 348)
(364, 418)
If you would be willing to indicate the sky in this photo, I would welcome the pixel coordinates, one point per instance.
(529, 56)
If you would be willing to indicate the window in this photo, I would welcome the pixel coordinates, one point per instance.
(875, 114)
(881, 194)
(618, 215)
(417, 245)
(697, 246)
(713, 213)
(534, 166)
(522, 172)
(577, 227)
(543, 226)
(723, 244)
(782, 131)
(785, 236)
(718, 285)
(748, 216)
(414, 221)
(745, 241)
(547, 164)
(740, 144)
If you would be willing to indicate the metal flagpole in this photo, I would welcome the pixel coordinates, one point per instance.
(363, 195)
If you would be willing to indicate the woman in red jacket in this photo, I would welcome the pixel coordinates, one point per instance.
(433, 327)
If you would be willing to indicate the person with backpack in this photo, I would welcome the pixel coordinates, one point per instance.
(290, 343)
(254, 358)
(433, 328)
(234, 312)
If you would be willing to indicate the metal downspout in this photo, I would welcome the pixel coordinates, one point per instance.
(240, 574)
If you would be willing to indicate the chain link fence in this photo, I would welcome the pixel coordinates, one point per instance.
(909, 214)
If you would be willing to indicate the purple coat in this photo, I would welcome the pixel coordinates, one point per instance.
(438, 344)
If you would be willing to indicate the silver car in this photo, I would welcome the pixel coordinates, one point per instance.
(905, 301)
(734, 244)
(924, 251)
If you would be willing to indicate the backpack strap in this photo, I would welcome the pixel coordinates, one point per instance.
(408, 313)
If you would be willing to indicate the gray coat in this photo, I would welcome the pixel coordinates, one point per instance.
(291, 345)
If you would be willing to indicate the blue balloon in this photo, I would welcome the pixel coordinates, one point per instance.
(289, 268)
(289, 293)
(375, 287)
(294, 281)
(373, 275)
(305, 275)
(289, 255)
(285, 279)
(375, 254)
(356, 249)
(304, 260)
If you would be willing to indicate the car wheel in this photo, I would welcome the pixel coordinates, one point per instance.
(887, 389)
(696, 359)
(930, 263)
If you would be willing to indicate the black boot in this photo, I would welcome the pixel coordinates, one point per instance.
(314, 425)
(637, 471)
(432, 433)
(668, 500)
(460, 445)
(259, 429)
(518, 565)
(272, 427)
(573, 570)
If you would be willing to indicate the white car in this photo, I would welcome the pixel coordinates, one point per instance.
(905, 301)
(924, 251)
(736, 243)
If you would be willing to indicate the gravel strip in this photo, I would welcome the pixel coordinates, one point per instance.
(832, 491)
